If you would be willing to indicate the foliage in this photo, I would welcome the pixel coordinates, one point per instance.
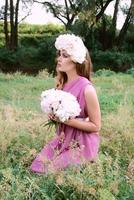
(86, 18)
(24, 59)
(129, 40)
(131, 71)
(29, 59)
(22, 136)
(49, 28)
(113, 60)
(104, 72)
(43, 54)
(36, 48)
(25, 28)
(1, 27)
(47, 53)
(67, 11)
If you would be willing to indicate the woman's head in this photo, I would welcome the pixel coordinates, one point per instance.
(71, 54)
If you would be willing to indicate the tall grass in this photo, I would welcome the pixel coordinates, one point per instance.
(22, 135)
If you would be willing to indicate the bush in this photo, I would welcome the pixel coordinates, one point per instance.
(115, 61)
(29, 59)
(130, 71)
(29, 40)
(49, 29)
(1, 27)
(104, 72)
(47, 53)
(24, 59)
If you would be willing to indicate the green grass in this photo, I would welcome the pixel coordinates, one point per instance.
(22, 136)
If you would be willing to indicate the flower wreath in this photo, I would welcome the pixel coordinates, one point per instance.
(73, 45)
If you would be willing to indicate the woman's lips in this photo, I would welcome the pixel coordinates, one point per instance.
(59, 64)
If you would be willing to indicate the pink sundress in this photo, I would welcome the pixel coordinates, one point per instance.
(77, 146)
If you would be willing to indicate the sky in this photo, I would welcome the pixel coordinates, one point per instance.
(40, 16)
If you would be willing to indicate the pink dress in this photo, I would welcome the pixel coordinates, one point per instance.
(77, 146)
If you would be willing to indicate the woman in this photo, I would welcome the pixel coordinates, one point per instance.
(77, 139)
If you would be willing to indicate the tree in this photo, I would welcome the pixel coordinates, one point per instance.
(113, 27)
(67, 11)
(101, 6)
(6, 24)
(114, 20)
(109, 36)
(129, 11)
(90, 19)
(2, 13)
(11, 21)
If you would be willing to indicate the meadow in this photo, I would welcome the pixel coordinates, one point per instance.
(22, 136)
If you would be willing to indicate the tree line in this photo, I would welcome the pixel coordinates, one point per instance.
(89, 12)
(86, 18)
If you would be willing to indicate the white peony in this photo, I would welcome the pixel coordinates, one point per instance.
(62, 104)
(73, 45)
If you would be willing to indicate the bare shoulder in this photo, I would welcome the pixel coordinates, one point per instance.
(89, 90)
(90, 94)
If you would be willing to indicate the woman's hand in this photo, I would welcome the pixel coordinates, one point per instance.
(56, 119)
(53, 118)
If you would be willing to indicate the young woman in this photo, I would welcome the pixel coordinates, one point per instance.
(77, 140)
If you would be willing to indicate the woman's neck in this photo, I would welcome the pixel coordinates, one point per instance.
(71, 76)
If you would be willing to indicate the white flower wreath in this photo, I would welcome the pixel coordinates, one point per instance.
(73, 45)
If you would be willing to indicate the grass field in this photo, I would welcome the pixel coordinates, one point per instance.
(22, 136)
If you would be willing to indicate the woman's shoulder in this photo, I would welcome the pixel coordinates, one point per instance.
(84, 84)
(85, 81)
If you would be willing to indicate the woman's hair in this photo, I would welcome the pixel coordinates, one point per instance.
(83, 69)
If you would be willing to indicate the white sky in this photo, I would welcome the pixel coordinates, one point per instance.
(40, 16)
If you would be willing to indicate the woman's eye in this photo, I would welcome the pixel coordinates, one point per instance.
(65, 55)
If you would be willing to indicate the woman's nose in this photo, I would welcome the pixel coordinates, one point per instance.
(59, 58)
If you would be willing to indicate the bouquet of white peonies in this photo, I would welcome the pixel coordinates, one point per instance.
(61, 104)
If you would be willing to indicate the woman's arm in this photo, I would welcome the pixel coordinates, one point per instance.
(94, 115)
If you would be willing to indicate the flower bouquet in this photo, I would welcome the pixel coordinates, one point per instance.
(59, 103)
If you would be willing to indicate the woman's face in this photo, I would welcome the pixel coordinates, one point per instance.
(64, 62)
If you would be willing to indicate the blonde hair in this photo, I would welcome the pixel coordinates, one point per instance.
(83, 69)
